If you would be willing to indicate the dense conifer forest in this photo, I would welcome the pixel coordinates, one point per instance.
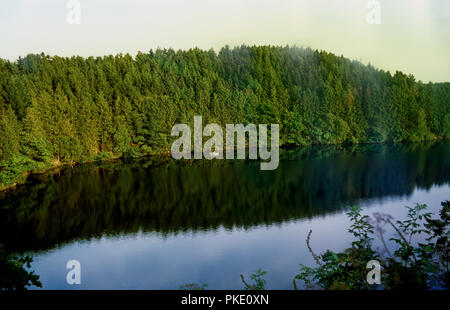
(56, 110)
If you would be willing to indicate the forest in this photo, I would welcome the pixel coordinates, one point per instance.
(61, 110)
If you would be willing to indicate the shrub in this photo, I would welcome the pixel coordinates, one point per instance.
(411, 266)
(15, 169)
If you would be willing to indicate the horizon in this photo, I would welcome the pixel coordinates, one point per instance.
(412, 36)
(391, 72)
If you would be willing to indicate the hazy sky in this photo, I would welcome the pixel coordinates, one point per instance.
(413, 36)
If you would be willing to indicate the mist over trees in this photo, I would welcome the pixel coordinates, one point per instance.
(61, 110)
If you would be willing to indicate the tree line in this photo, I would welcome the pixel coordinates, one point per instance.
(61, 110)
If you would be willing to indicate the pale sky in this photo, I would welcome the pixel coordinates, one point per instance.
(413, 35)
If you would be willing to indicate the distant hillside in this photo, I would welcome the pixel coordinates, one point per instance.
(59, 110)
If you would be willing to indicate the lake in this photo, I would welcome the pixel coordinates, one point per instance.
(156, 223)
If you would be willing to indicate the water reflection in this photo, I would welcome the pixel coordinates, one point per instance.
(166, 197)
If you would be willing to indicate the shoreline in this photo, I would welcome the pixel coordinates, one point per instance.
(166, 153)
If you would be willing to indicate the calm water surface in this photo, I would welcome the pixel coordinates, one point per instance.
(159, 224)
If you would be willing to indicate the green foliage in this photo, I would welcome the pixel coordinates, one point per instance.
(344, 270)
(259, 283)
(15, 168)
(292, 129)
(9, 134)
(422, 265)
(65, 110)
(122, 140)
(103, 156)
(410, 266)
(38, 149)
(14, 275)
(438, 235)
